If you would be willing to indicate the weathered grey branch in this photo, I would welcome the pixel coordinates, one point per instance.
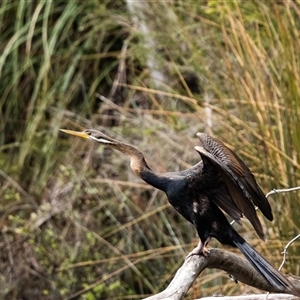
(231, 263)
(255, 297)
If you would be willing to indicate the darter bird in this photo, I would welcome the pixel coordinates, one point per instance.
(219, 182)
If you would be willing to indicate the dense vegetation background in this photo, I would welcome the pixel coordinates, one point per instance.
(75, 222)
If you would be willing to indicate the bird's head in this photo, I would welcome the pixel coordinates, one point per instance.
(91, 135)
(137, 162)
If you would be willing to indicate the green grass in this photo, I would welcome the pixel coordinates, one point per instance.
(75, 221)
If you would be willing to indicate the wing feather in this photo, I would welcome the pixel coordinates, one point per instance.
(244, 192)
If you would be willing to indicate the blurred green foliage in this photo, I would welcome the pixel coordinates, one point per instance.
(75, 222)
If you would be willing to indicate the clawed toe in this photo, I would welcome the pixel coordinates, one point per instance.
(199, 250)
(205, 252)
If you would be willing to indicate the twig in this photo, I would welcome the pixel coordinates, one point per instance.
(283, 191)
(275, 191)
(285, 249)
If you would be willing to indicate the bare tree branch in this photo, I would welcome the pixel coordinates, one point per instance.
(231, 263)
(254, 297)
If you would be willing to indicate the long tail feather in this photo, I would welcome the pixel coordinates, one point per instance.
(274, 277)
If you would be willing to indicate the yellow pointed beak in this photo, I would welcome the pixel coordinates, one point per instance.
(81, 134)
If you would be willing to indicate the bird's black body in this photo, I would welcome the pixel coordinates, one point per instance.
(200, 192)
(219, 182)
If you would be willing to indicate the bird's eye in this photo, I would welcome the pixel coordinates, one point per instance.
(87, 132)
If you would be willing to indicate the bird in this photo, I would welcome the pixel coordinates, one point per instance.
(220, 182)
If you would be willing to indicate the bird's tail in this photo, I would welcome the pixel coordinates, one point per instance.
(274, 277)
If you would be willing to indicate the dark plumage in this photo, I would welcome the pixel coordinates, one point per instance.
(220, 181)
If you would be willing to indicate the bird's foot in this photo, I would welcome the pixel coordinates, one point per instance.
(205, 252)
(200, 249)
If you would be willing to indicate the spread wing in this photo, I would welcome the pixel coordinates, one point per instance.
(244, 192)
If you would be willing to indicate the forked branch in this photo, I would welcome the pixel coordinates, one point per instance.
(231, 263)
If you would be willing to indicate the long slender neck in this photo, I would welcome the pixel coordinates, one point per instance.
(139, 165)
